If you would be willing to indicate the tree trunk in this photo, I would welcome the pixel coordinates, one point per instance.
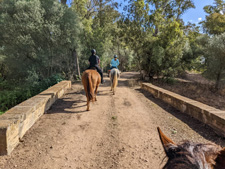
(218, 80)
(63, 2)
(100, 14)
(76, 64)
(157, 6)
(121, 66)
(156, 31)
(78, 67)
(51, 68)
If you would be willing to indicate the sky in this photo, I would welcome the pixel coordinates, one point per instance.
(192, 15)
(195, 15)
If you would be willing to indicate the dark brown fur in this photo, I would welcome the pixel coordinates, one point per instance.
(188, 155)
(91, 80)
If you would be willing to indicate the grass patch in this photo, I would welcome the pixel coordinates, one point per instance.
(1, 112)
(114, 117)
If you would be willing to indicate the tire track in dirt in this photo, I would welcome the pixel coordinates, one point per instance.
(108, 156)
(138, 137)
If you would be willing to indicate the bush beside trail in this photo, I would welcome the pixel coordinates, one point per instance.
(13, 95)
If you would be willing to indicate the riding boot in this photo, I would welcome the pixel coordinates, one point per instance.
(102, 81)
(101, 73)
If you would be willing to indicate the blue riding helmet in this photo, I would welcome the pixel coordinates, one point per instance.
(115, 56)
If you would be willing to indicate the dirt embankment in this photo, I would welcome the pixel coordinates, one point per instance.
(119, 132)
(202, 92)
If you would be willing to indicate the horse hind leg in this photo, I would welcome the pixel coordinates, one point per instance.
(88, 105)
(114, 91)
(87, 99)
(114, 82)
(96, 90)
(111, 83)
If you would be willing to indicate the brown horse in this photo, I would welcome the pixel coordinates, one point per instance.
(91, 80)
(188, 155)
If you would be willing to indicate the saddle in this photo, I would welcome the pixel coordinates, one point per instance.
(93, 68)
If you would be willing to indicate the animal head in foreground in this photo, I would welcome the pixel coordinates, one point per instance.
(188, 155)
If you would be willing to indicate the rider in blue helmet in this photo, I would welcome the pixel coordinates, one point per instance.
(94, 63)
(114, 62)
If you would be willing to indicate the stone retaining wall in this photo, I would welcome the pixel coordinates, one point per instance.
(16, 121)
(211, 116)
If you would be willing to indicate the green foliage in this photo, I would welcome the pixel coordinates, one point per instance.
(191, 59)
(219, 6)
(99, 29)
(3, 67)
(214, 48)
(38, 35)
(215, 21)
(16, 93)
(170, 80)
(36, 42)
(157, 36)
(42, 39)
(163, 54)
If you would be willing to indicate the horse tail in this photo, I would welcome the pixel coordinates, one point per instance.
(115, 81)
(90, 91)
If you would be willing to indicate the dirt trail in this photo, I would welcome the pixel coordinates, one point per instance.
(119, 132)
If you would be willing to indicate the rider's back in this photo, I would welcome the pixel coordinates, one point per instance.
(114, 63)
(94, 60)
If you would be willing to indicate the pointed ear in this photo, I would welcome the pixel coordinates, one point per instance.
(166, 142)
(220, 160)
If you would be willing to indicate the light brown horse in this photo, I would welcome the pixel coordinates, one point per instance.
(91, 80)
(188, 155)
(114, 75)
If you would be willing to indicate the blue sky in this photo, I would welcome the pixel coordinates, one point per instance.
(197, 14)
(192, 15)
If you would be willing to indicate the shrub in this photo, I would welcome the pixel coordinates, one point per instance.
(10, 98)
